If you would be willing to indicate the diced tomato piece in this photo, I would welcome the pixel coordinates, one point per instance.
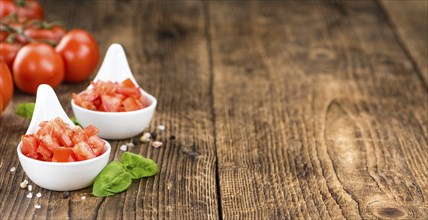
(90, 131)
(128, 83)
(43, 150)
(64, 154)
(128, 91)
(78, 135)
(107, 96)
(132, 104)
(145, 101)
(61, 123)
(45, 129)
(49, 142)
(110, 103)
(29, 145)
(97, 144)
(65, 138)
(83, 151)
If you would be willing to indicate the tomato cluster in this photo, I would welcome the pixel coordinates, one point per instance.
(56, 142)
(109, 96)
(37, 52)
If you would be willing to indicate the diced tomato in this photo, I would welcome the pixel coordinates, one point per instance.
(65, 138)
(43, 150)
(83, 151)
(131, 104)
(145, 101)
(110, 103)
(55, 141)
(29, 146)
(49, 142)
(78, 135)
(128, 83)
(129, 91)
(97, 144)
(90, 131)
(64, 154)
(111, 97)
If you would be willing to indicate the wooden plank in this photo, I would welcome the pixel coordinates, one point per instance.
(317, 113)
(167, 50)
(410, 19)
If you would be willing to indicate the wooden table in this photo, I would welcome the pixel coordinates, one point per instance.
(279, 109)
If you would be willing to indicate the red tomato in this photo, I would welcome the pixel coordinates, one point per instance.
(6, 85)
(112, 97)
(64, 154)
(30, 10)
(8, 52)
(90, 131)
(35, 64)
(29, 146)
(7, 8)
(51, 34)
(80, 53)
(97, 144)
(56, 142)
(83, 151)
(44, 151)
(111, 103)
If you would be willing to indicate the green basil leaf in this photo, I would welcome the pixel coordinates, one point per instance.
(138, 166)
(111, 180)
(25, 110)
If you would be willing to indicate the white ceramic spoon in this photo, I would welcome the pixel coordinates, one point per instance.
(47, 108)
(115, 66)
(116, 125)
(51, 175)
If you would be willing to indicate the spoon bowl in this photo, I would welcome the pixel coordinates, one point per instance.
(116, 125)
(65, 176)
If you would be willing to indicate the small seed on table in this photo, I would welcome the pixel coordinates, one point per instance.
(38, 195)
(30, 188)
(65, 195)
(23, 184)
(37, 206)
(123, 147)
(30, 195)
(12, 169)
(157, 144)
(161, 127)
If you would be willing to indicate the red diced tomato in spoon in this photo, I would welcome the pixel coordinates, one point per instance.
(29, 145)
(107, 96)
(64, 154)
(43, 150)
(83, 151)
(56, 142)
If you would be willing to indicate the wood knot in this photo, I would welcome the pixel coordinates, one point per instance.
(322, 54)
(171, 31)
(388, 211)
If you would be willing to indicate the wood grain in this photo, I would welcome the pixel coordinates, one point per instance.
(279, 109)
(410, 19)
(318, 114)
(167, 50)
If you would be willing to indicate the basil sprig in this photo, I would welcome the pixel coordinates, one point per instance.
(117, 176)
(25, 110)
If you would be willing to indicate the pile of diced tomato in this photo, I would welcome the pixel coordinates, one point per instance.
(55, 141)
(107, 96)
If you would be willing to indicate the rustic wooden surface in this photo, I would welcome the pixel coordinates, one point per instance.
(280, 110)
